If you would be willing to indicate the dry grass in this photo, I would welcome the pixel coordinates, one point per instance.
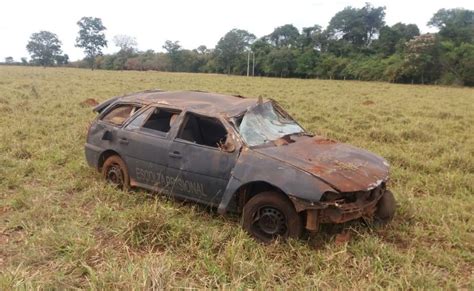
(62, 227)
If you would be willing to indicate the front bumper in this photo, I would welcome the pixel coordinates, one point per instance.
(341, 211)
(348, 207)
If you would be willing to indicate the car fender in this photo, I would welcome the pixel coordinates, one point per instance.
(254, 167)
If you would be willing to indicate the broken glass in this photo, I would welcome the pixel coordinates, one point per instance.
(265, 123)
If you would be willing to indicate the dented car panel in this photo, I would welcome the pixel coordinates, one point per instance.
(255, 167)
(344, 167)
(214, 149)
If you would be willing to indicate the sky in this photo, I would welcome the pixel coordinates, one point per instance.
(191, 22)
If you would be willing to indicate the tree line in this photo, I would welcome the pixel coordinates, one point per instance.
(356, 45)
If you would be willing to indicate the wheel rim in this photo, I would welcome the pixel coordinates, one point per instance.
(269, 222)
(114, 175)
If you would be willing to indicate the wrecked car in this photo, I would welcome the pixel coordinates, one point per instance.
(240, 155)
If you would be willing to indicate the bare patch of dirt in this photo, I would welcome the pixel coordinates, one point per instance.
(7, 236)
(343, 237)
(394, 238)
(89, 102)
(22, 154)
(4, 210)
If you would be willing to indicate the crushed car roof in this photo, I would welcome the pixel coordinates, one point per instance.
(196, 101)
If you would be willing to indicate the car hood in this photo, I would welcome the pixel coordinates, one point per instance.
(344, 167)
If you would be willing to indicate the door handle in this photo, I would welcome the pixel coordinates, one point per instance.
(123, 140)
(175, 154)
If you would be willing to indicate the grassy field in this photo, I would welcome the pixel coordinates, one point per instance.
(62, 226)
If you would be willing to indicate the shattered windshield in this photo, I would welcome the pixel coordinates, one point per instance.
(266, 122)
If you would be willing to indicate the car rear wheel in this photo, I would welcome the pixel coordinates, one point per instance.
(115, 172)
(385, 208)
(270, 215)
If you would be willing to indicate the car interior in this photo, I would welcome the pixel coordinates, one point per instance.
(119, 114)
(161, 120)
(203, 130)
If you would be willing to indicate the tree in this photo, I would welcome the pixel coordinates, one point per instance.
(312, 37)
(457, 63)
(307, 62)
(281, 62)
(9, 60)
(62, 59)
(393, 38)
(284, 36)
(173, 48)
(202, 50)
(231, 46)
(357, 26)
(454, 24)
(202, 58)
(24, 61)
(331, 67)
(261, 49)
(44, 47)
(127, 45)
(125, 42)
(407, 31)
(422, 58)
(91, 38)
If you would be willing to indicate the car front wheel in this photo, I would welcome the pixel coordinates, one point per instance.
(385, 208)
(115, 172)
(269, 216)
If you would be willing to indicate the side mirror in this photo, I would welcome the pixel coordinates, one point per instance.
(228, 146)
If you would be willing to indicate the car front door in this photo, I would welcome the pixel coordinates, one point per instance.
(145, 142)
(201, 158)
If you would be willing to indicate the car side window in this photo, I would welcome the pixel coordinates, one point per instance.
(120, 113)
(137, 122)
(203, 130)
(160, 121)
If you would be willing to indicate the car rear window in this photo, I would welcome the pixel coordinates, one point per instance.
(120, 113)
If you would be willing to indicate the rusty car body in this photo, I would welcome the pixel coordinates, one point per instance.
(240, 155)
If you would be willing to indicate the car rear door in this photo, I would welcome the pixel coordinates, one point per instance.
(199, 165)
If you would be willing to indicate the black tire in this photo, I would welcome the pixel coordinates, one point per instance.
(115, 172)
(385, 208)
(269, 215)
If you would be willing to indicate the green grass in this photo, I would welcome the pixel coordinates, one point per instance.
(62, 226)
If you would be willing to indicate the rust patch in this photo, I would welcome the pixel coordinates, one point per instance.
(340, 211)
(280, 142)
(349, 166)
(317, 168)
(323, 140)
(89, 102)
(368, 102)
(344, 167)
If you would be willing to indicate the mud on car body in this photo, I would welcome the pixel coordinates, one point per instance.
(240, 155)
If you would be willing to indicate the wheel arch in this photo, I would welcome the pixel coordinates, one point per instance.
(105, 155)
(252, 188)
